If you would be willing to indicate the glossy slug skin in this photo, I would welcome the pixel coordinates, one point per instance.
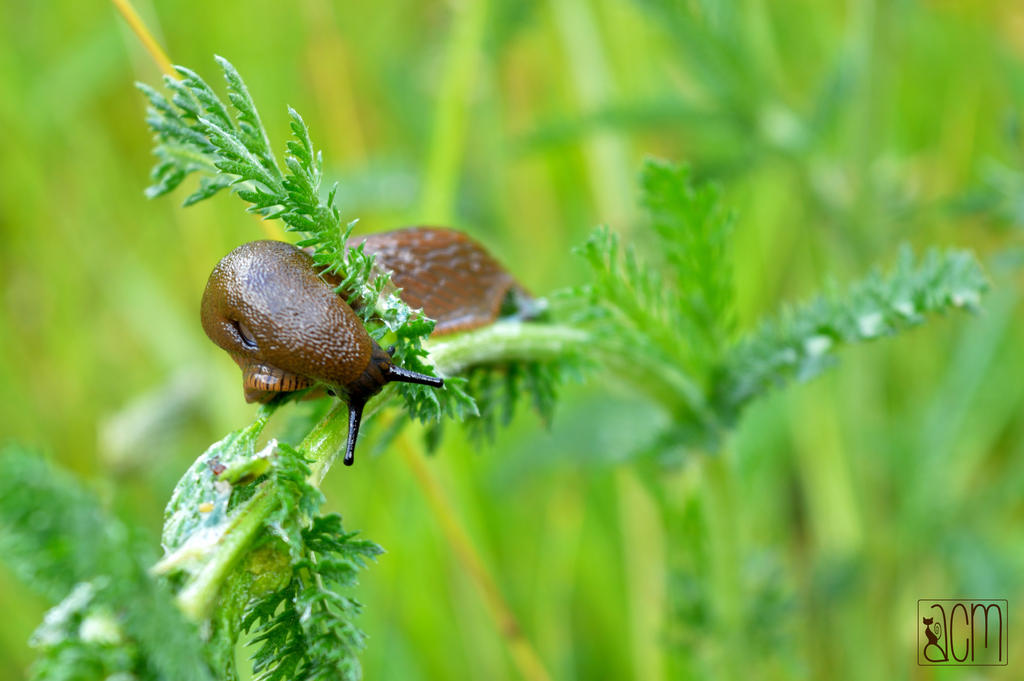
(456, 282)
(281, 323)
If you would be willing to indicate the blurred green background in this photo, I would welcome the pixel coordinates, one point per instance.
(838, 129)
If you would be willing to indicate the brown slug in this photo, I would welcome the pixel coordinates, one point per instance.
(287, 329)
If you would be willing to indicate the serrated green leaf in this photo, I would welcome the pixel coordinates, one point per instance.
(801, 342)
(207, 188)
(307, 630)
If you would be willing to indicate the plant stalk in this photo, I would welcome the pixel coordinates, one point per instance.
(503, 342)
(198, 597)
(723, 542)
(525, 658)
(138, 27)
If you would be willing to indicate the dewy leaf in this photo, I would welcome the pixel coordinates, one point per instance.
(300, 621)
(199, 503)
(198, 90)
(249, 124)
(801, 342)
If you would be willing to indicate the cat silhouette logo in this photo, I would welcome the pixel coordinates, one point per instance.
(963, 632)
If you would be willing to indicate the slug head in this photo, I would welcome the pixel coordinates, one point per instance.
(285, 326)
(287, 329)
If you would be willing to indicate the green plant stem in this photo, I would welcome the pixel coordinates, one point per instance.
(197, 598)
(723, 542)
(325, 442)
(669, 385)
(451, 112)
(493, 344)
(503, 342)
(644, 566)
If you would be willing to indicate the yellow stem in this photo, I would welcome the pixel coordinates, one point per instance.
(148, 41)
(523, 655)
(270, 228)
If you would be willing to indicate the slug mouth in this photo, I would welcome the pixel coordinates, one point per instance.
(263, 381)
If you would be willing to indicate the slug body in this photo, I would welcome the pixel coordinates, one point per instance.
(285, 326)
(451, 277)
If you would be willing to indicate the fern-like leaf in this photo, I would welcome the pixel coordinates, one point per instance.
(801, 342)
(307, 631)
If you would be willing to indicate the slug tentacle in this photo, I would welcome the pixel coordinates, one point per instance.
(405, 376)
(355, 417)
(379, 372)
